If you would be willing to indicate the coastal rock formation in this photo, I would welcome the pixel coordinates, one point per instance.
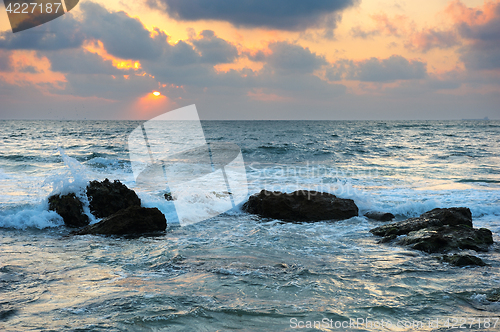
(132, 220)
(380, 216)
(106, 198)
(301, 205)
(70, 208)
(438, 230)
(463, 260)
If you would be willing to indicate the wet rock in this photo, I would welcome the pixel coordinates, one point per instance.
(438, 230)
(70, 208)
(380, 216)
(301, 205)
(463, 260)
(436, 217)
(106, 198)
(451, 216)
(494, 297)
(405, 226)
(447, 238)
(132, 220)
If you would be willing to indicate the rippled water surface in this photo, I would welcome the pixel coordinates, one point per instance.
(237, 271)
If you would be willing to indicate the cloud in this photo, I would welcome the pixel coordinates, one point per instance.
(482, 32)
(291, 15)
(213, 49)
(5, 61)
(124, 37)
(391, 69)
(432, 38)
(61, 33)
(80, 61)
(292, 58)
(358, 32)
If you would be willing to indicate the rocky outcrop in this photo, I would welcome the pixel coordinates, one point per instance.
(452, 216)
(380, 216)
(70, 208)
(463, 260)
(106, 198)
(301, 205)
(132, 220)
(448, 238)
(438, 230)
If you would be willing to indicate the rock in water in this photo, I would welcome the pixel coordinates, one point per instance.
(301, 205)
(380, 216)
(452, 216)
(438, 230)
(70, 209)
(132, 220)
(436, 217)
(463, 260)
(447, 238)
(106, 198)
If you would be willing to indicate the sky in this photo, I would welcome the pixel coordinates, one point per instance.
(256, 59)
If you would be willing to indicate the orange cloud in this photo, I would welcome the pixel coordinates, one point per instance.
(460, 13)
(97, 47)
(28, 68)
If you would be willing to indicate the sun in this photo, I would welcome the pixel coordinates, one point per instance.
(156, 93)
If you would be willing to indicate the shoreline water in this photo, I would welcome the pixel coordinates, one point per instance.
(238, 271)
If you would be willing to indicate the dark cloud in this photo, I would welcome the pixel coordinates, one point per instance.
(378, 70)
(483, 52)
(80, 61)
(291, 15)
(291, 59)
(213, 49)
(391, 69)
(61, 33)
(122, 35)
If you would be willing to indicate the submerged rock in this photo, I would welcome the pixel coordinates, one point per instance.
(106, 198)
(463, 260)
(132, 220)
(438, 230)
(70, 208)
(301, 205)
(380, 216)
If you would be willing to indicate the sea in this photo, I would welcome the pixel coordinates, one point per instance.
(241, 272)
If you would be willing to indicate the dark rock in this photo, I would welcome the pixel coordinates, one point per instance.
(388, 238)
(132, 220)
(494, 297)
(301, 205)
(438, 230)
(405, 226)
(436, 217)
(451, 216)
(447, 238)
(463, 260)
(168, 197)
(380, 216)
(106, 198)
(70, 208)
